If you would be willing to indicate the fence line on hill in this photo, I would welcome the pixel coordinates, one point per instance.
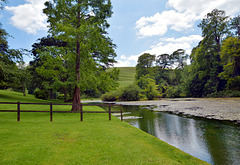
(51, 109)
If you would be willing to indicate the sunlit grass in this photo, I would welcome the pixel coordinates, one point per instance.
(126, 76)
(66, 140)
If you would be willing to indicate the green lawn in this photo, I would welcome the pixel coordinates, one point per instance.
(126, 75)
(66, 140)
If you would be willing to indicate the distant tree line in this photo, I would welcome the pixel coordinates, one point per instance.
(214, 68)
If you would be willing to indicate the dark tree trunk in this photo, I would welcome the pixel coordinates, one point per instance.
(76, 96)
(65, 94)
(23, 89)
(76, 99)
(51, 94)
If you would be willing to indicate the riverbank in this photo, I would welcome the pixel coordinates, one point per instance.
(66, 140)
(211, 108)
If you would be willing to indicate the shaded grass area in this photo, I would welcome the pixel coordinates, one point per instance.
(66, 140)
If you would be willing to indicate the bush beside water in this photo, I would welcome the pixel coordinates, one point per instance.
(228, 93)
(129, 93)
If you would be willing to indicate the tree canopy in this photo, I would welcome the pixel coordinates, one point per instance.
(82, 25)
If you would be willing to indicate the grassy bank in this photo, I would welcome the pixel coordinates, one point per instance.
(96, 140)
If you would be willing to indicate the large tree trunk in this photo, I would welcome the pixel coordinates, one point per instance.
(76, 97)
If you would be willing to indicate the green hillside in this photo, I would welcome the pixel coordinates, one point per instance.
(126, 75)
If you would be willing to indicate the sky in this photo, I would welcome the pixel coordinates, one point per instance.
(136, 26)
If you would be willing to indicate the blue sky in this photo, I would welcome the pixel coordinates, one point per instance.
(136, 27)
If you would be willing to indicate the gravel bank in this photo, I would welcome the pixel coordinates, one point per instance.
(211, 108)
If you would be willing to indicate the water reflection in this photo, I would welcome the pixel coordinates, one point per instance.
(212, 141)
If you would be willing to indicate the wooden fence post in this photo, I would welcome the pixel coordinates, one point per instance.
(109, 111)
(121, 112)
(18, 111)
(50, 112)
(81, 112)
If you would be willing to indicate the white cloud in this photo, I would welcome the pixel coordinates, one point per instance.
(162, 48)
(183, 16)
(202, 7)
(127, 61)
(122, 63)
(29, 17)
(159, 23)
(169, 45)
(133, 58)
(123, 57)
(165, 45)
(190, 39)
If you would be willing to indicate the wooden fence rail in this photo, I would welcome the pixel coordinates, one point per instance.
(51, 109)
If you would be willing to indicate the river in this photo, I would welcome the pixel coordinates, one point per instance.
(216, 142)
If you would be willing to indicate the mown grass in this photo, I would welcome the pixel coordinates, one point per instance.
(66, 140)
(126, 76)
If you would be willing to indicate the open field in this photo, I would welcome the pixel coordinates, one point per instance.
(126, 75)
(66, 140)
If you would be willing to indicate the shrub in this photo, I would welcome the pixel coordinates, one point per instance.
(41, 93)
(234, 94)
(60, 97)
(151, 91)
(130, 93)
(148, 86)
(218, 94)
(173, 92)
(110, 96)
(234, 83)
(227, 93)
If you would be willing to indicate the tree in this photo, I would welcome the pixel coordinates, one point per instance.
(13, 74)
(8, 62)
(144, 64)
(163, 61)
(54, 70)
(230, 58)
(82, 25)
(3, 41)
(23, 77)
(214, 26)
(148, 86)
(235, 25)
(179, 58)
(1, 5)
(47, 54)
(207, 55)
(49, 69)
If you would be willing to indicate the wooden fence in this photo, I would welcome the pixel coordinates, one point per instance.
(51, 109)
